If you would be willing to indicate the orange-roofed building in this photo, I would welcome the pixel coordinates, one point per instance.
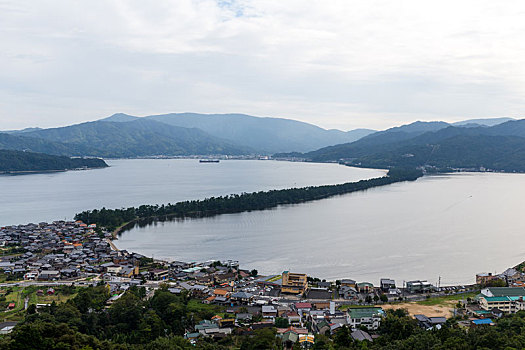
(221, 292)
(209, 300)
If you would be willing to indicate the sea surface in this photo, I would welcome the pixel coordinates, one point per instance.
(448, 226)
(451, 226)
(132, 182)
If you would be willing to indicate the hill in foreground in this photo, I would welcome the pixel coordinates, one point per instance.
(18, 161)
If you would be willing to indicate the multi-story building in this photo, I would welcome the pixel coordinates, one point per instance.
(484, 278)
(370, 317)
(295, 283)
(419, 286)
(507, 299)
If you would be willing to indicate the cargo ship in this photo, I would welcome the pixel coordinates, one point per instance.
(209, 161)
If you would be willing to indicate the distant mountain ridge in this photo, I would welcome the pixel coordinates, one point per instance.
(177, 134)
(182, 134)
(137, 138)
(483, 122)
(499, 147)
(263, 134)
(34, 144)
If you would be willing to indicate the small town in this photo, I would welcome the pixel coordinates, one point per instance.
(45, 263)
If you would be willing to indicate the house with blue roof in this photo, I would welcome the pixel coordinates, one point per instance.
(483, 321)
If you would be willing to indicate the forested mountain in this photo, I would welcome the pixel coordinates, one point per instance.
(17, 161)
(21, 131)
(21, 142)
(265, 135)
(137, 138)
(180, 134)
(122, 135)
(375, 142)
(500, 147)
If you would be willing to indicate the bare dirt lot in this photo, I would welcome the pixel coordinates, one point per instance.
(445, 309)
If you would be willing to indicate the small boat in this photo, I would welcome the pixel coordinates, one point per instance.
(209, 161)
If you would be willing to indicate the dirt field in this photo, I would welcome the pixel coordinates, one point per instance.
(445, 309)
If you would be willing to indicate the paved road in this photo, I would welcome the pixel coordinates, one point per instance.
(36, 283)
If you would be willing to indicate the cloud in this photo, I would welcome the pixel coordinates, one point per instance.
(338, 64)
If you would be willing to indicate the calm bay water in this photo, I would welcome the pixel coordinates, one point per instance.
(451, 226)
(54, 196)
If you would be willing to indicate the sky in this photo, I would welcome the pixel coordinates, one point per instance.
(338, 64)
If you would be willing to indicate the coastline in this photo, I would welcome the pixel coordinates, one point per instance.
(29, 172)
(123, 227)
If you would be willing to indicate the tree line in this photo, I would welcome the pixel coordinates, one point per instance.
(13, 161)
(135, 322)
(111, 219)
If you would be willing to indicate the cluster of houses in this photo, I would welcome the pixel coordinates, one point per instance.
(72, 250)
(64, 251)
(296, 321)
(512, 277)
(52, 251)
(299, 308)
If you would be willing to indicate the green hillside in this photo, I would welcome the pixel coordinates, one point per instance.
(18, 161)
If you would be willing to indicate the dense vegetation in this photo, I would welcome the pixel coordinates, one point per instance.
(502, 153)
(113, 218)
(13, 161)
(135, 322)
(399, 331)
(178, 134)
(131, 322)
(20, 142)
(436, 144)
(136, 138)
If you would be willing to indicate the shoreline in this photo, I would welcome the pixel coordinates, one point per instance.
(165, 259)
(128, 225)
(28, 172)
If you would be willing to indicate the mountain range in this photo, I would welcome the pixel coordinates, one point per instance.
(436, 145)
(469, 143)
(262, 135)
(122, 135)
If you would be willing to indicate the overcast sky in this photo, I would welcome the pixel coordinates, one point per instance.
(338, 64)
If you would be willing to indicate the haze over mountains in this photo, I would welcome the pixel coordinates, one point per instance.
(181, 134)
(263, 135)
(497, 143)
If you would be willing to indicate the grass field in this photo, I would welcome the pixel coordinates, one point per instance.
(446, 299)
(197, 307)
(18, 295)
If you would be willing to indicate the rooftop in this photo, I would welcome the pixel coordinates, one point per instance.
(507, 291)
(360, 312)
